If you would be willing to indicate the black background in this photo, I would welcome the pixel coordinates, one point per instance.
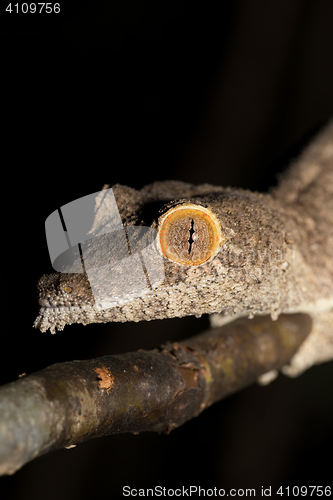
(133, 92)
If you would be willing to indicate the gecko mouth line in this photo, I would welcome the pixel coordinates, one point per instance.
(44, 304)
(67, 308)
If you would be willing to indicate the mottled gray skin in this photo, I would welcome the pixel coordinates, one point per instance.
(278, 256)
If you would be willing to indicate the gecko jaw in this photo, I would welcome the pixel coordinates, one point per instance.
(55, 318)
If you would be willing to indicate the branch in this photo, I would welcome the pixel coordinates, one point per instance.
(158, 390)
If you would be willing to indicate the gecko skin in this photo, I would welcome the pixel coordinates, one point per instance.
(277, 256)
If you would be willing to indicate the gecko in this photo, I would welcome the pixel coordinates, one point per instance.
(226, 252)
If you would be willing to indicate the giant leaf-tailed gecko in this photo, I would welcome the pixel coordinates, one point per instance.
(227, 252)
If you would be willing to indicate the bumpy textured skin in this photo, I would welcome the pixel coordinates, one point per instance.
(278, 256)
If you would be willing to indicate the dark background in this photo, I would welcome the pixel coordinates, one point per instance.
(133, 92)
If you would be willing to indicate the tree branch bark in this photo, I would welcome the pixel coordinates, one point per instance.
(158, 390)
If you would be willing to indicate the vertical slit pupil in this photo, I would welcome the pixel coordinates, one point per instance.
(191, 240)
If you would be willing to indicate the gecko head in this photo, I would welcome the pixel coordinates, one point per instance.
(221, 250)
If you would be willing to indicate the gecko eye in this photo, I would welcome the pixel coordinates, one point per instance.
(190, 234)
(67, 289)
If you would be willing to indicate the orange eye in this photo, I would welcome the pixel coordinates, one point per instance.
(190, 234)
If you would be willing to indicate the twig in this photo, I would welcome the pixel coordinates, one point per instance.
(158, 390)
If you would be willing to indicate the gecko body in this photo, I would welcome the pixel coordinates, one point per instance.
(275, 255)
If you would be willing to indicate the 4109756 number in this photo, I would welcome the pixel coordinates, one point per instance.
(33, 8)
(317, 491)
